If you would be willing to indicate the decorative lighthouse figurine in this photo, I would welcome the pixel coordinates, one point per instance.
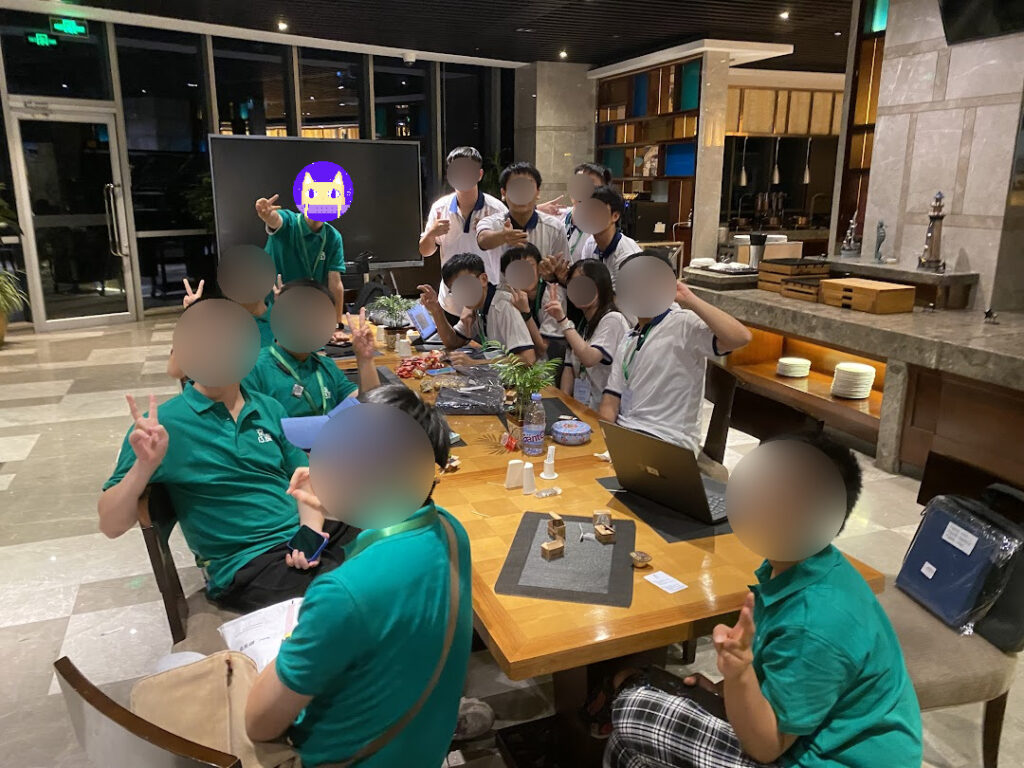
(931, 257)
(850, 248)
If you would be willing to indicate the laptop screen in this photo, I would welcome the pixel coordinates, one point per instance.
(424, 323)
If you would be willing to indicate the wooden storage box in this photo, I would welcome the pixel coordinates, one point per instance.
(792, 249)
(769, 281)
(794, 266)
(803, 288)
(873, 296)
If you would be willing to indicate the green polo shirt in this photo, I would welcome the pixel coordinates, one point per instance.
(369, 636)
(831, 667)
(271, 378)
(227, 479)
(299, 253)
(266, 334)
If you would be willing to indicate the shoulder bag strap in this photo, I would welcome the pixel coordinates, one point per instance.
(449, 635)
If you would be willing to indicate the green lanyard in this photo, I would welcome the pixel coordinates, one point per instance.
(311, 268)
(367, 538)
(639, 343)
(305, 392)
(541, 285)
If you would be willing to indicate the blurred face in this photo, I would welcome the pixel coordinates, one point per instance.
(303, 319)
(582, 185)
(468, 290)
(246, 274)
(582, 291)
(786, 500)
(646, 287)
(593, 216)
(173, 369)
(522, 274)
(521, 191)
(464, 173)
(216, 342)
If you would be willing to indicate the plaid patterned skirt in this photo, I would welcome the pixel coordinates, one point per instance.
(653, 729)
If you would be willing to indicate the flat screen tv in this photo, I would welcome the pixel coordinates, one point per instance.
(966, 20)
(385, 214)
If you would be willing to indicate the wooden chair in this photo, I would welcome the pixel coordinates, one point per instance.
(157, 520)
(947, 668)
(740, 408)
(114, 737)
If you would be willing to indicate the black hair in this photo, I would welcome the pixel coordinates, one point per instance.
(519, 253)
(595, 169)
(596, 270)
(431, 419)
(462, 262)
(471, 152)
(305, 282)
(520, 168)
(840, 456)
(647, 252)
(611, 197)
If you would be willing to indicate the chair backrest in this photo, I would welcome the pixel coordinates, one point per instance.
(114, 737)
(764, 418)
(161, 511)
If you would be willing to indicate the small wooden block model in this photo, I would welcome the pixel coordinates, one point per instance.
(605, 534)
(602, 517)
(556, 526)
(551, 550)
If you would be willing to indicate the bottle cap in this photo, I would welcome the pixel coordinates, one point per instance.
(535, 396)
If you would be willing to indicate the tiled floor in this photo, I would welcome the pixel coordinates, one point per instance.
(66, 589)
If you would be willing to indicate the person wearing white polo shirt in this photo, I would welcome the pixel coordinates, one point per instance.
(452, 221)
(520, 186)
(608, 243)
(657, 381)
(490, 317)
(597, 175)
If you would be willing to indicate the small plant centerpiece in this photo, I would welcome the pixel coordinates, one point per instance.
(524, 378)
(12, 298)
(393, 310)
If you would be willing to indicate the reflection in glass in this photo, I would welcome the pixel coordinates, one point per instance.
(401, 110)
(465, 90)
(68, 167)
(164, 261)
(42, 63)
(251, 95)
(331, 84)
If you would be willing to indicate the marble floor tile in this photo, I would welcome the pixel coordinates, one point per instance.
(882, 550)
(858, 525)
(165, 326)
(156, 336)
(888, 504)
(74, 560)
(38, 734)
(10, 392)
(117, 643)
(16, 447)
(130, 590)
(155, 367)
(27, 604)
(5, 481)
(28, 651)
(75, 407)
(136, 354)
(907, 531)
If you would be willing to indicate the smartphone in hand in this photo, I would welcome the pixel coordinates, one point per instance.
(309, 542)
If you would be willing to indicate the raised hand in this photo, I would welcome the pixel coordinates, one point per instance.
(363, 336)
(440, 226)
(148, 438)
(684, 296)
(278, 285)
(561, 267)
(428, 297)
(511, 235)
(520, 300)
(191, 298)
(735, 644)
(553, 305)
(551, 207)
(266, 210)
(546, 268)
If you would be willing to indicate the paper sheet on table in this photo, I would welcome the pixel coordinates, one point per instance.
(259, 634)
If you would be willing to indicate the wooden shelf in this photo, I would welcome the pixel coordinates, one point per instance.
(651, 178)
(812, 395)
(647, 118)
(659, 142)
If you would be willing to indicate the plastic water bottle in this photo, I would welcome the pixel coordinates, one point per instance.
(534, 424)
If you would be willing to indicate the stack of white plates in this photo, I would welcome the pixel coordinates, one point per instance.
(853, 380)
(793, 367)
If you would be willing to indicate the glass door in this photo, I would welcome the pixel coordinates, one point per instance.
(78, 256)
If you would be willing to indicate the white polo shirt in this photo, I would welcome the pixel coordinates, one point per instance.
(461, 236)
(610, 331)
(619, 249)
(547, 233)
(664, 390)
(497, 320)
(577, 237)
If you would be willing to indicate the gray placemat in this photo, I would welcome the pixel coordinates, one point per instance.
(589, 571)
(672, 526)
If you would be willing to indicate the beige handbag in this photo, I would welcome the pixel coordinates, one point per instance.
(205, 702)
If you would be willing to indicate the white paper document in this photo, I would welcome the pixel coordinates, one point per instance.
(663, 581)
(259, 634)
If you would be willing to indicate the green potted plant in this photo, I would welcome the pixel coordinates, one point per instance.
(199, 201)
(12, 298)
(393, 310)
(524, 378)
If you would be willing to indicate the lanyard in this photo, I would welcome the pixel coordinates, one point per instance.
(311, 267)
(626, 364)
(305, 392)
(541, 286)
(368, 538)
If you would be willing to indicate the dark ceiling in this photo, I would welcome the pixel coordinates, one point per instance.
(592, 31)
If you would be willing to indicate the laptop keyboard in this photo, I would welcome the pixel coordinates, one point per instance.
(716, 505)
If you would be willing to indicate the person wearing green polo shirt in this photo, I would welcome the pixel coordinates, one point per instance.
(308, 383)
(303, 248)
(813, 675)
(258, 309)
(371, 636)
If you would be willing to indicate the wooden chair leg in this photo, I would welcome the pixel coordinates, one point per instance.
(689, 651)
(992, 730)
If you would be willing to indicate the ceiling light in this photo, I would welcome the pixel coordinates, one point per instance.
(338, 73)
(143, 90)
(524, 29)
(837, 33)
(341, 87)
(403, 82)
(192, 85)
(282, 26)
(563, 54)
(63, 85)
(784, 15)
(341, 103)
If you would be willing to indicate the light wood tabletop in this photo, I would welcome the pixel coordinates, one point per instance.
(529, 636)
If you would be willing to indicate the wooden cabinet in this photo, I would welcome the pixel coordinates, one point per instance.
(782, 112)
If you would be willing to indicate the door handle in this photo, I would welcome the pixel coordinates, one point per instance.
(109, 215)
(117, 247)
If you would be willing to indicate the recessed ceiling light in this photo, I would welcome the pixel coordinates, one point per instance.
(192, 85)
(144, 90)
(838, 33)
(524, 29)
(563, 54)
(282, 26)
(784, 15)
(403, 82)
(312, 98)
(341, 87)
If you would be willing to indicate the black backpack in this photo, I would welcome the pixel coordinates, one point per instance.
(1003, 625)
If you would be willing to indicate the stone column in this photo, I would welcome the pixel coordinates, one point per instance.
(555, 109)
(890, 427)
(707, 196)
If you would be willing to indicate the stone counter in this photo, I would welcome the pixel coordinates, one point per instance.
(952, 341)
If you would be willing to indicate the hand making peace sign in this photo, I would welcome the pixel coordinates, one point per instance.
(148, 439)
(265, 209)
(363, 341)
(552, 305)
(191, 298)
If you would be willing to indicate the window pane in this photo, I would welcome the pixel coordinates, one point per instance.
(401, 110)
(465, 98)
(331, 85)
(164, 261)
(163, 91)
(251, 94)
(53, 64)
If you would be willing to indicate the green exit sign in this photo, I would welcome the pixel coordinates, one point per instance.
(69, 27)
(41, 39)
